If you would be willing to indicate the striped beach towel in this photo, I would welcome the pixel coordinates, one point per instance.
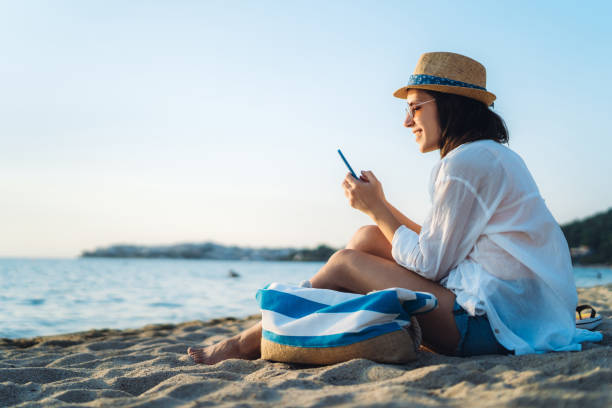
(301, 323)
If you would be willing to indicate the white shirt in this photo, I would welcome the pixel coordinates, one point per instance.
(491, 240)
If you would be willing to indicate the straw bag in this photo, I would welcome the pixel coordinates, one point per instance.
(322, 326)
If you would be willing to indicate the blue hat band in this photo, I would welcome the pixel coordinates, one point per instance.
(434, 80)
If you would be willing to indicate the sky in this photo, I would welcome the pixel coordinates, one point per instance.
(161, 122)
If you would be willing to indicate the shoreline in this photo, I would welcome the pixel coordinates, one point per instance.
(597, 266)
(149, 366)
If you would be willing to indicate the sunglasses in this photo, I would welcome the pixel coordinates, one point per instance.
(410, 108)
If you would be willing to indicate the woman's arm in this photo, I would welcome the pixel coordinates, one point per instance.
(403, 219)
(450, 230)
(449, 233)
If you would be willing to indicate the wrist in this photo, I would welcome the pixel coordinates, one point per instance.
(376, 210)
(380, 213)
(386, 221)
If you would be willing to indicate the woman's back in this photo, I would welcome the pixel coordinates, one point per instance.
(519, 270)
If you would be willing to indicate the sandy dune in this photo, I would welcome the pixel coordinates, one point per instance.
(149, 367)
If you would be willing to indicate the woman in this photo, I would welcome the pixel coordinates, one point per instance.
(489, 249)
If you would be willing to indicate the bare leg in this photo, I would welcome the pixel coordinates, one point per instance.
(364, 266)
(371, 240)
(359, 272)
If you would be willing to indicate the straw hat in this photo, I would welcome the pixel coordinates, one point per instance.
(449, 73)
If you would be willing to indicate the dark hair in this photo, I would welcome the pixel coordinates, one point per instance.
(464, 120)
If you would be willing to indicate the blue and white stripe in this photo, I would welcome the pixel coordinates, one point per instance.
(307, 317)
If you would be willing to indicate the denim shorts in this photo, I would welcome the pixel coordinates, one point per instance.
(476, 336)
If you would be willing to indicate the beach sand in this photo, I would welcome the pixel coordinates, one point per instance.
(149, 367)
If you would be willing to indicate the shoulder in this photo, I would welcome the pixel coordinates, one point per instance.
(474, 160)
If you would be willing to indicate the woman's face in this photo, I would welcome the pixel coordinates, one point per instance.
(424, 124)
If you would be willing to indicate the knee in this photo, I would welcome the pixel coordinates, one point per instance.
(341, 256)
(334, 272)
(364, 238)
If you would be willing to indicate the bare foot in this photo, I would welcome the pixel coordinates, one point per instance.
(229, 348)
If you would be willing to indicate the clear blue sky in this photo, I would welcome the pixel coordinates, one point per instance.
(155, 122)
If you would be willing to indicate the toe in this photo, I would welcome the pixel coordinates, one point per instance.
(195, 354)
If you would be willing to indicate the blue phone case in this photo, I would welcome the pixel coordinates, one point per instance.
(347, 164)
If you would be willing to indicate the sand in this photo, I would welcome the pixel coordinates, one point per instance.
(149, 367)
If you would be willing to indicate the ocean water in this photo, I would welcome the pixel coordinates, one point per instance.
(44, 297)
(49, 296)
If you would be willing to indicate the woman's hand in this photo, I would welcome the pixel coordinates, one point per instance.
(365, 194)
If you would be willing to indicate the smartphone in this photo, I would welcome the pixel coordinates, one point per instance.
(347, 164)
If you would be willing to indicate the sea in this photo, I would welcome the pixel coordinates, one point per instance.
(40, 297)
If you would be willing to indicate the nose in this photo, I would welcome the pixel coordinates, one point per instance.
(408, 122)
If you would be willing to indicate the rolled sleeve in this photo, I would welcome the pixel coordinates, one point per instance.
(405, 242)
(448, 233)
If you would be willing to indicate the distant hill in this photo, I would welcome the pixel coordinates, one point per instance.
(590, 240)
(210, 250)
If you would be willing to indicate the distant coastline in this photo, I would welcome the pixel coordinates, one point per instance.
(590, 242)
(211, 250)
